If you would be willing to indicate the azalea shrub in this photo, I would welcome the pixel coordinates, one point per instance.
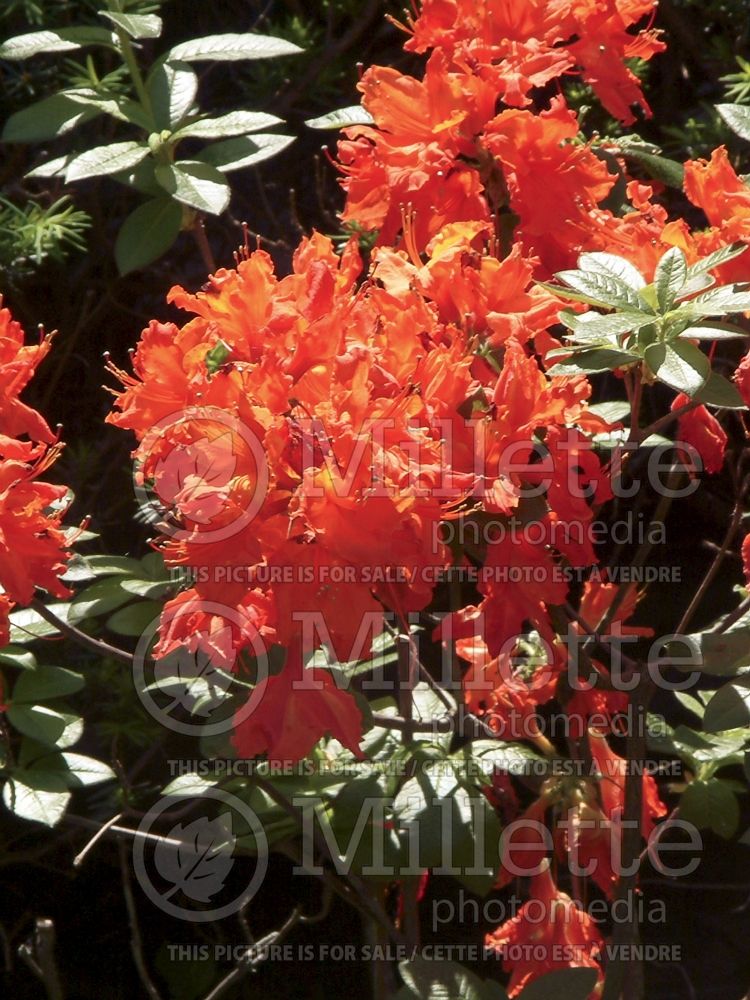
(408, 503)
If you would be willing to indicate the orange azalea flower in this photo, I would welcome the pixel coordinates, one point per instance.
(525, 45)
(17, 365)
(613, 770)
(702, 431)
(550, 932)
(501, 694)
(417, 155)
(32, 541)
(294, 710)
(553, 184)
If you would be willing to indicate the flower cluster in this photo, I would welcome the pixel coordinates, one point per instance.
(32, 541)
(307, 440)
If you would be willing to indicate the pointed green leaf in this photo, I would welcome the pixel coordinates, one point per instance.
(603, 289)
(171, 87)
(669, 277)
(596, 360)
(48, 725)
(355, 114)
(52, 168)
(54, 40)
(661, 168)
(135, 25)
(147, 233)
(711, 805)
(244, 151)
(719, 391)
(234, 123)
(196, 184)
(737, 117)
(42, 798)
(714, 331)
(680, 365)
(730, 707)
(103, 160)
(616, 267)
(45, 682)
(231, 47)
(594, 326)
(47, 119)
(716, 258)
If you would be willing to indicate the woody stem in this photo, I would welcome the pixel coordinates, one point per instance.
(624, 977)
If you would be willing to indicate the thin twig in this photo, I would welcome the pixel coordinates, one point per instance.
(708, 579)
(80, 857)
(39, 955)
(136, 943)
(71, 632)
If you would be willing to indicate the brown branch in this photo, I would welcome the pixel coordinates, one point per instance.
(71, 632)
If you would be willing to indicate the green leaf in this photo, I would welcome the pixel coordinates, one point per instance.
(592, 326)
(146, 588)
(46, 682)
(100, 598)
(614, 266)
(78, 770)
(230, 47)
(244, 151)
(135, 619)
(714, 331)
(562, 984)
(718, 653)
(47, 119)
(613, 411)
(109, 159)
(442, 980)
(716, 258)
(136, 25)
(121, 108)
(355, 114)
(730, 707)
(233, 123)
(191, 785)
(147, 233)
(52, 168)
(737, 117)
(690, 703)
(26, 625)
(104, 565)
(680, 365)
(196, 184)
(17, 656)
(719, 391)
(47, 725)
(596, 360)
(661, 168)
(171, 87)
(56, 40)
(602, 289)
(39, 797)
(719, 301)
(710, 805)
(669, 277)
